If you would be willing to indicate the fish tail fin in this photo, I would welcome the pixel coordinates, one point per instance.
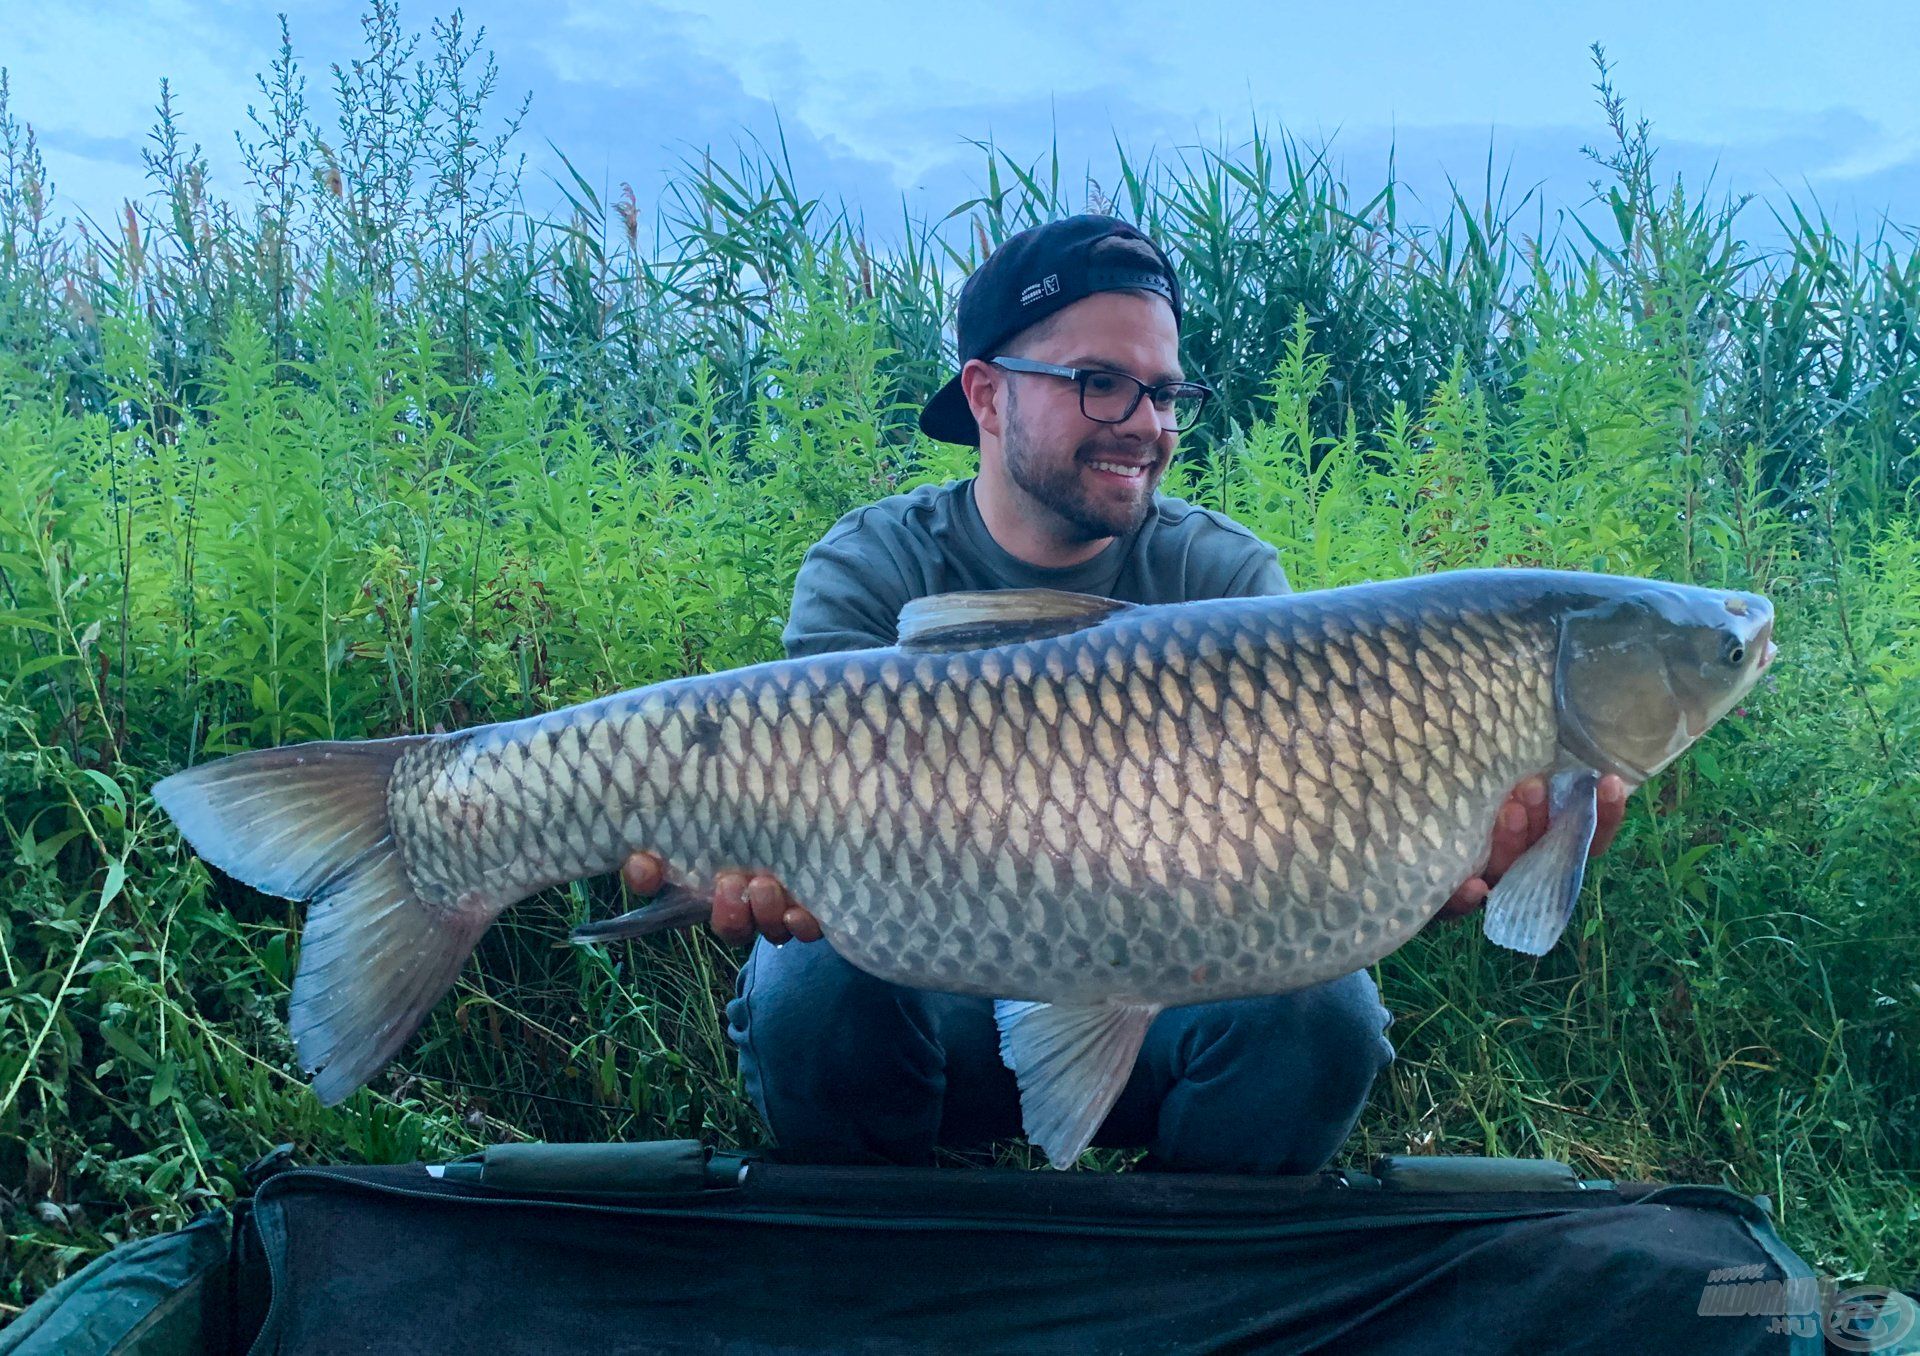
(310, 822)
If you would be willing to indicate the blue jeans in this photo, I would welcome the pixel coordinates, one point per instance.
(848, 1068)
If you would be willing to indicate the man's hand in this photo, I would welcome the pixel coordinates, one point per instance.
(1520, 824)
(743, 902)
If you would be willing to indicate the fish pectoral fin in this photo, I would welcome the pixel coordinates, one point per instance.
(979, 621)
(674, 907)
(1071, 1064)
(1530, 906)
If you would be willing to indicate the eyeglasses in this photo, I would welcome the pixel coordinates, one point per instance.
(1112, 397)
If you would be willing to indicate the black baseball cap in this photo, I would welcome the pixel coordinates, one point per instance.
(1026, 280)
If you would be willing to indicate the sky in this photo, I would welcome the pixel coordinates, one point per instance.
(884, 102)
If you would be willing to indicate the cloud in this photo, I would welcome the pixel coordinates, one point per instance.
(884, 103)
(876, 104)
(89, 81)
(1877, 157)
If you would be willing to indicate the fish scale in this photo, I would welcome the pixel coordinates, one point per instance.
(1221, 776)
(1084, 809)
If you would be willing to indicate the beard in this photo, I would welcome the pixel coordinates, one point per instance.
(1061, 487)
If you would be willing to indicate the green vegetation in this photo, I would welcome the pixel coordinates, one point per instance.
(363, 450)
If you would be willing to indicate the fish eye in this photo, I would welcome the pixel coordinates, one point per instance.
(1735, 651)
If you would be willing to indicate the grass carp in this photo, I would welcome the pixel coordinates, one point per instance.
(1086, 809)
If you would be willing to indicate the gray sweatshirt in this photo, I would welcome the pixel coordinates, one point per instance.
(876, 559)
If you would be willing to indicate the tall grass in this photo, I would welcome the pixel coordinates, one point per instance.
(365, 449)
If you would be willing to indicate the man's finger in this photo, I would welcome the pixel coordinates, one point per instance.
(1465, 900)
(1533, 795)
(644, 873)
(732, 918)
(769, 902)
(1509, 839)
(803, 925)
(1612, 809)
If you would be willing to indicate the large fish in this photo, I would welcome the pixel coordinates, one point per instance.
(1088, 809)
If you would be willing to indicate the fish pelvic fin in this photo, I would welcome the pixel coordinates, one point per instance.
(677, 906)
(1530, 906)
(310, 822)
(1071, 1062)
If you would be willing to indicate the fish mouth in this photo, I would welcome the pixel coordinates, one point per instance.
(1762, 637)
(1698, 722)
(1758, 613)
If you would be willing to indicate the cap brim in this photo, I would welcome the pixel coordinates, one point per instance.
(949, 418)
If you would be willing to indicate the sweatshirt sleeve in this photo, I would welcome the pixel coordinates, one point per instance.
(1260, 575)
(847, 595)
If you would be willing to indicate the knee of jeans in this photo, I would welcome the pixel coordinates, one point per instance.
(1350, 1030)
(1354, 1024)
(1333, 1033)
(803, 1006)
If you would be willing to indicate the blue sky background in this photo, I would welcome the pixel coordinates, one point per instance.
(880, 100)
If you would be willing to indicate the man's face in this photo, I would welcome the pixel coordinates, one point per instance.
(1097, 479)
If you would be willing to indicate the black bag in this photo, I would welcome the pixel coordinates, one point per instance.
(669, 1248)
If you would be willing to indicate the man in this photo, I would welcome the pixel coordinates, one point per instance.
(1071, 387)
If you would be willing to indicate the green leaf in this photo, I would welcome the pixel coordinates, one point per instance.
(126, 1046)
(1706, 763)
(39, 853)
(1692, 858)
(108, 785)
(32, 666)
(273, 957)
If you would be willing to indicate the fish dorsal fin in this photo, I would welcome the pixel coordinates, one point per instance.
(979, 621)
